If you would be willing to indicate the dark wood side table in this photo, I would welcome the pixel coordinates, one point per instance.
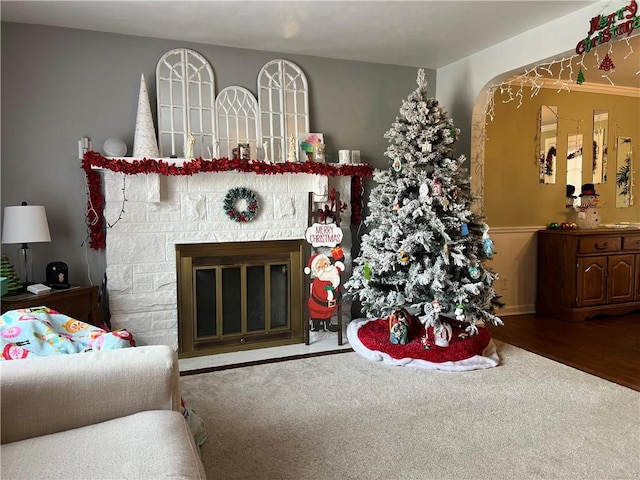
(79, 301)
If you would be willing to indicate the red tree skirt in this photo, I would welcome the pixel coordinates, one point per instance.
(370, 338)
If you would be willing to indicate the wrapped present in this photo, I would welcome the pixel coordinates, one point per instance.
(337, 253)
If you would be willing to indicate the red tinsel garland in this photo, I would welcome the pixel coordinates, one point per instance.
(95, 211)
(95, 218)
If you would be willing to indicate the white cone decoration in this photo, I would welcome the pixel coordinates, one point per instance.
(145, 143)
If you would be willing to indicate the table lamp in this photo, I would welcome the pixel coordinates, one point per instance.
(25, 224)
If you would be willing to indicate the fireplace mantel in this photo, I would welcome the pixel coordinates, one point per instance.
(94, 162)
(165, 207)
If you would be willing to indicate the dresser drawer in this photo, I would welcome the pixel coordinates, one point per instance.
(599, 244)
(631, 242)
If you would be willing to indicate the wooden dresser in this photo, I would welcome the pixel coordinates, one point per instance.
(584, 273)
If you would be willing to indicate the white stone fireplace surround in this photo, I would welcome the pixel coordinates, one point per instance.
(162, 211)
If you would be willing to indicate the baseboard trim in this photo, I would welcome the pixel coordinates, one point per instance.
(346, 349)
(516, 310)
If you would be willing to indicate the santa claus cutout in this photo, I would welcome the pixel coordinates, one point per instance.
(325, 288)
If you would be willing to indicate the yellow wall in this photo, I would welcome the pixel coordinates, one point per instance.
(513, 195)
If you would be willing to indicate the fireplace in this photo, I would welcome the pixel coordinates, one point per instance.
(163, 217)
(239, 295)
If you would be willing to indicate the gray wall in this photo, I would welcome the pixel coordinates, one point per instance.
(59, 85)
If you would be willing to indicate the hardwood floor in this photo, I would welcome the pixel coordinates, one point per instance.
(605, 346)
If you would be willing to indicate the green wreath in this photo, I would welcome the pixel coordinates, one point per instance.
(232, 198)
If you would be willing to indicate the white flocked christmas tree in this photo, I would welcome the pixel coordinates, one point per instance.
(425, 249)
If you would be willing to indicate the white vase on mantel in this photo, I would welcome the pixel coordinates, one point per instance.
(145, 144)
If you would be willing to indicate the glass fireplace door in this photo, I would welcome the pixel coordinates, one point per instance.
(235, 301)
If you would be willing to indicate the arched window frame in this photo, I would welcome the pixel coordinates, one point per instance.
(185, 87)
(283, 98)
(238, 121)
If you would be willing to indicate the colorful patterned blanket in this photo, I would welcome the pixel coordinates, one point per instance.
(41, 331)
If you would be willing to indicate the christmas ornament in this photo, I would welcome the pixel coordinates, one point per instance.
(554, 226)
(580, 79)
(436, 189)
(607, 64)
(404, 257)
(232, 197)
(366, 271)
(474, 273)
(424, 190)
(396, 205)
(464, 229)
(435, 305)
(432, 312)
(426, 147)
(442, 334)
(445, 249)
(487, 243)
(459, 313)
(397, 165)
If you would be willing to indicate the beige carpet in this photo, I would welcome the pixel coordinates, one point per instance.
(344, 417)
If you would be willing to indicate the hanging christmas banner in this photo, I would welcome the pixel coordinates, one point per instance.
(609, 27)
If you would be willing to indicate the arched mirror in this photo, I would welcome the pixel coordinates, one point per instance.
(574, 161)
(548, 132)
(624, 172)
(600, 132)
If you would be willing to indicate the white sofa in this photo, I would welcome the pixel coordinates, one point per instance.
(112, 415)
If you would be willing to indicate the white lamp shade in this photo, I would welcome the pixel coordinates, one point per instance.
(25, 224)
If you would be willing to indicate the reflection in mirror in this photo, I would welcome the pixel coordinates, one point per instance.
(574, 162)
(624, 180)
(547, 145)
(600, 129)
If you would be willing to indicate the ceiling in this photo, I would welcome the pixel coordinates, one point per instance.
(429, 34)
